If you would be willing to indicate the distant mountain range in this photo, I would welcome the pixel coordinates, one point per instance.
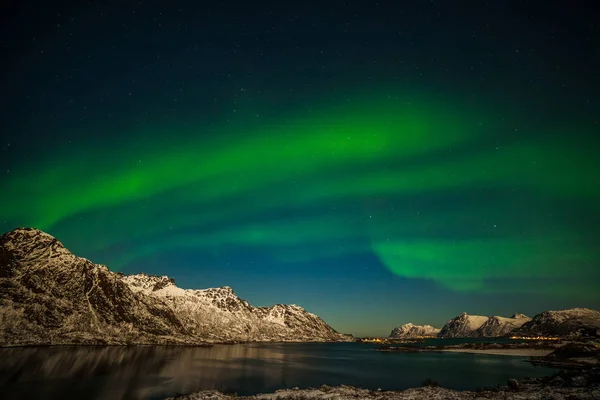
(50, 296)
(500, 326)
(576, 321)
(479, 326)
(565, 323)
(414, 331)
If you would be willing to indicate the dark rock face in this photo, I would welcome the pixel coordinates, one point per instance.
(225, 299)
(574, 350)
(564, 323)
(50, 296)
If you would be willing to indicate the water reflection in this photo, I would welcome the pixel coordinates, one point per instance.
(158, 372)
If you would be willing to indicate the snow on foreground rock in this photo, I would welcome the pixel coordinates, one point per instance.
(530, 392)
(50, 296)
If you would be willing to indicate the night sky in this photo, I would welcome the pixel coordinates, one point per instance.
(376, 163)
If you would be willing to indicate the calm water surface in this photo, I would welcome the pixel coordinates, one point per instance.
(157, 372)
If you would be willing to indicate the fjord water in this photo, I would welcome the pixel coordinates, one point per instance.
(148, 372)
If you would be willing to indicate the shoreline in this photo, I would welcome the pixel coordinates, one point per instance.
(582, 384)
(504, 352)
(531, 349)
(582, 381)
(169, 344)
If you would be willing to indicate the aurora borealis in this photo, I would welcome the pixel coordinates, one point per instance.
(374, 164)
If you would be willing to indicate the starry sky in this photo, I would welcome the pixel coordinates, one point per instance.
(376, 162)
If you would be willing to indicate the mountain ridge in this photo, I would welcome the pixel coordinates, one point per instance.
(574, 322)
(570, 322)
(462, 326)
(412, 331)
(50, 296)
(499, 326)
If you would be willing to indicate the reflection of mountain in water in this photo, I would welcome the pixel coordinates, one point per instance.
(133, 372)
(154, 372)
(223, 368)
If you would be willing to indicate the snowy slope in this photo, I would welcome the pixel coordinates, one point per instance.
(572, 322)
(500, 326)
(411, 331)
(462, 326)
(219, 314)
(50, 296)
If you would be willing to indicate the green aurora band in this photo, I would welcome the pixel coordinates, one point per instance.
(213, 193)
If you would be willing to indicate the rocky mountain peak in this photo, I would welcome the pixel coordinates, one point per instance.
(571, 322)
(463, 325)
(25, 240)
(29, 233)
(147, 282)
(410, 330)
(286, 307)
(500, 326)
(225, 291)
(50, 296)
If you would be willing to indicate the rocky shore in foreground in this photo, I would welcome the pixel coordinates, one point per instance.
(571, 355)
(581, 384)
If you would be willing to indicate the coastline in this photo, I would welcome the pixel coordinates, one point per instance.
(582, 381)
(532, 349)
(504, 352)
(165, 344)
(581, 384)
(575, 386)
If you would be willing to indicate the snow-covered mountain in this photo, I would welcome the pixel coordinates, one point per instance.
(50, 296)
(500, 326)
(462, 326)
(219, 314)
(572, 322)
(412, 331)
